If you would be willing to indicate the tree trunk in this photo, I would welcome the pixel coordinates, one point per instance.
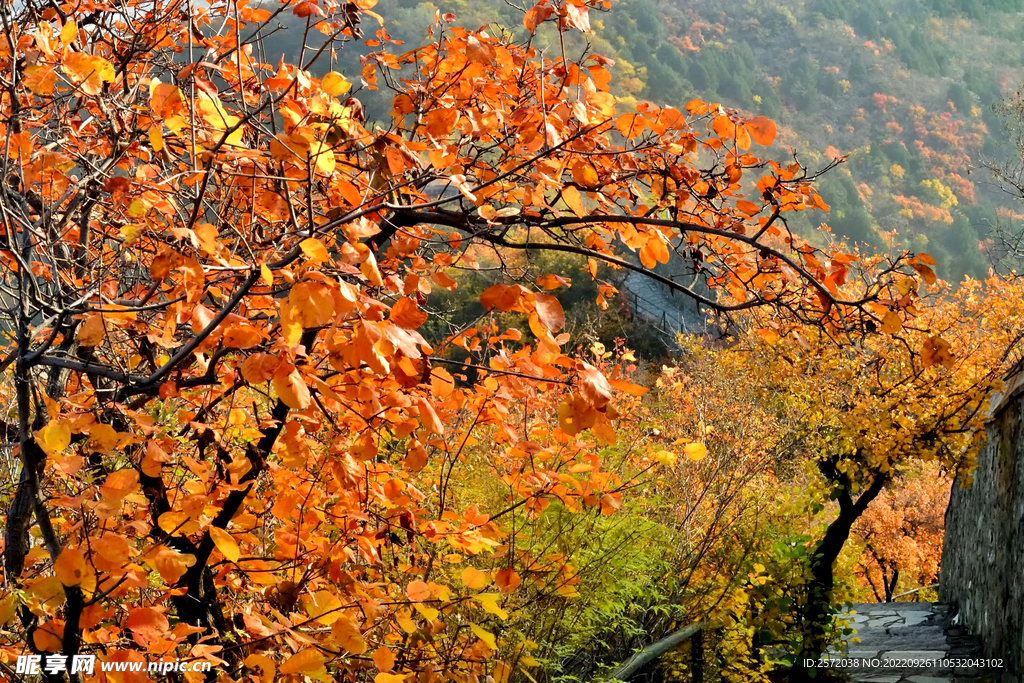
(890, 588)
(817, 612)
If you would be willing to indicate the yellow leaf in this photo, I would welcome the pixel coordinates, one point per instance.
(428, 613)
(308, 661)
(324, 606)
(71, 567)
(695, 451)
(156, 137)
(891, 323)
(334, 84)
(346, 634)
(291, 329)
(89, 72)
(48, 591)
(389, 678)
(68, 33)
(371, 272)
(323, 156)
(485, 636)
(475, 579)
(666, 458)
(225, 543)
(8, 608)
(314, 249)
(264, 664)
(54, 437)
(489, 601)
(266, 275)
(405, 621)
(503, 671)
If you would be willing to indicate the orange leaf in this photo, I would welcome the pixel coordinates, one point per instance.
(347, 635)
(891, 323)
(629, 125)
(594, 387)
(418, 591)
(502, 297)
(428, 417)
(171, 565)
(749, 208)
(475, 579)
(551, 281)
(312, 304)
(507, 580)
(147, 622)
(241, 337)
(762, 130)
(936, 350)
(71, 567)
(405, 314)
(314, 250)
(291, 387)
(727, 129)
(265, 664)
(550, 312)
(583, 174)
(308, 661)
(572, 199)
(112, 548)
(927, 273)
(384, 658)
(89, 72)
(259, 367)
(536, 15)
(371, 272)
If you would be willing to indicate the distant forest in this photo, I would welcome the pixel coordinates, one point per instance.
(912, 91)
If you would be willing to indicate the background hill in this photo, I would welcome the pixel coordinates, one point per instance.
(909, 89)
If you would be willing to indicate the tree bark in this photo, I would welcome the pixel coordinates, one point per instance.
(817, 612)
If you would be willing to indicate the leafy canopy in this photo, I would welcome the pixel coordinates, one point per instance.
(234, 441)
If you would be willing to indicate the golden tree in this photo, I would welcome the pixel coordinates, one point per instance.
(870, 408)
(233, 443)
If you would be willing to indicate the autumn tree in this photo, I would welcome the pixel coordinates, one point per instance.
(873, 409)
(232, 441)
(901, 533)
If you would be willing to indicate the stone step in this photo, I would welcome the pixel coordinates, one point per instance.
(915, 634)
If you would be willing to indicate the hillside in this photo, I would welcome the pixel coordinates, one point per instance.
(910, 90)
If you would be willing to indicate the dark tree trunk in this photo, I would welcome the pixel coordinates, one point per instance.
(817, 612)
(890, 588)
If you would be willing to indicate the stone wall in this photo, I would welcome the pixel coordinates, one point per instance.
(982, 572)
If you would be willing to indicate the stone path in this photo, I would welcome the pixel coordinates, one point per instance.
(909, 634)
